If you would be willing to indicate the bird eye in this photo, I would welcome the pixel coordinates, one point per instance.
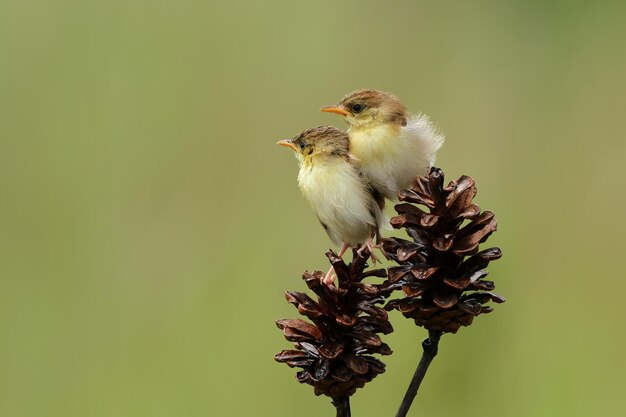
(357, 108)
(302, 145)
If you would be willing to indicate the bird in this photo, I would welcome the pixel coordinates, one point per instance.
(392, 147)
(338, 193)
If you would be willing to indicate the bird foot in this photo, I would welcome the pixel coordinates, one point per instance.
(330, 277)
(370, 245)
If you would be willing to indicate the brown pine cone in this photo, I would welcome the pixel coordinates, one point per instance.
(334, 351)
(441, 271)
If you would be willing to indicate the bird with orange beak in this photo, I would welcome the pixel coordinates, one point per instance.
(339, 194)
(391, 147)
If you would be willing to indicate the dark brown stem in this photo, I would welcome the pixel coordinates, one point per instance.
(430, 346)
(342, 404)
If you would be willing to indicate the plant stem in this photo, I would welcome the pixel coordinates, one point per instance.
(342, 404)
(430, 346)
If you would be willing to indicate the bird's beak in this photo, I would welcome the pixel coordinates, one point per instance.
(335, 109)
(287, 143)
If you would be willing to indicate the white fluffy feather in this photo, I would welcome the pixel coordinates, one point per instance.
(391, 157)
(340, 198)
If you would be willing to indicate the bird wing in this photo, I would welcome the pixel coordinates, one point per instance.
(377, 201)
(378, 206)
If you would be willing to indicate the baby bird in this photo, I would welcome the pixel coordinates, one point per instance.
(392, 147)
(340, 196)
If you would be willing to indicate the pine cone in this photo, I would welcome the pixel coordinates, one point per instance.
(334, 351)
(441, 271)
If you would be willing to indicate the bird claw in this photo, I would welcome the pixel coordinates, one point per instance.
(370, 246)
(330, 277)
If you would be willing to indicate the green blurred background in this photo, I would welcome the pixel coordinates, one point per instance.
(149, 225)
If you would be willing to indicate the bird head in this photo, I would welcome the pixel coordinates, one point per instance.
(318, 142)
(363, 109)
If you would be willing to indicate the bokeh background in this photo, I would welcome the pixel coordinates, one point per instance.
(149, 225)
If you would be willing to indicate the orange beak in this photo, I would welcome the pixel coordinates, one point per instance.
(287, 143)
(335, 109)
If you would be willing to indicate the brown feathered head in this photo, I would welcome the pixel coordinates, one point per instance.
(366, 107)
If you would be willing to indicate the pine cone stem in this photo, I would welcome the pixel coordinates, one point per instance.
(342, 404)
(430, 346)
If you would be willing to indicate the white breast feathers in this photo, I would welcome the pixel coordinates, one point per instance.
(339, 197)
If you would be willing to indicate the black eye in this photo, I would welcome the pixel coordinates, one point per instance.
(357, 108)
(302, 145)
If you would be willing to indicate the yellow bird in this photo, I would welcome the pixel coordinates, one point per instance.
(340, 196)
(392, 148)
